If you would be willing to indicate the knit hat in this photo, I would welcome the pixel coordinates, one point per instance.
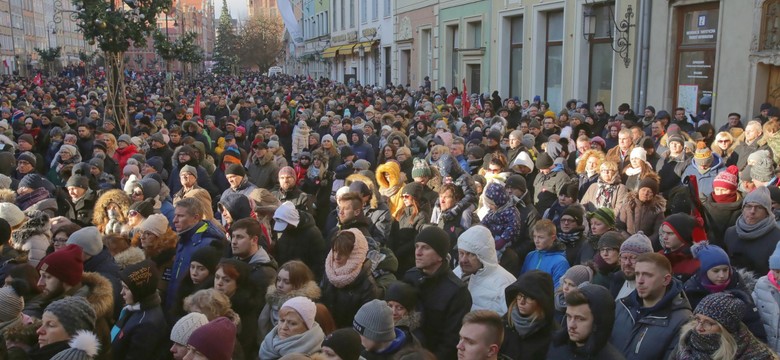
(74, 313)
(78, 181)
(287, 171)
(414, 189)
(183, 328)
(155, 223)
(235, 169)
(98, 163)
(65, 264)
(156, 163)
(304, 307)
(11, 301)
(639, 153)
(762, 170)
(675, 138)
(215, 340)
(402, 293)
(286, 214)
(528, 141)
(421, 169)
(757, 155)
(190, 169)
(534, 124)
(141, 278)
(577, 212)
(682, 224)
(774, 259)
(703, 155)
(761, 197)
(709, 256)
(32, 181)
(723, 307)
(150, 187)
(605, 215)
(516, 182)
(12, 214)
(361, 164)
(88, 239)
(124, 138)
(436, 238)
(158, 137)
(26, 138)
(327, 137)
(544, 161)
(637, 244)
(145, 208)
(611, 240)
(579, 274)
(374, 320)
(83, 346)
(727, 179)
(345, 151)
(650, 183)
(208, 256)
(570, 190)
(345, 343)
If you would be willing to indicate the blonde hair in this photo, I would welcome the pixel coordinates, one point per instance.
(209, 302)
(600, 157)
(728, 345)
(110, 145)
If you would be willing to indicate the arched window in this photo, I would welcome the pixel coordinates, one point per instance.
(770, 26)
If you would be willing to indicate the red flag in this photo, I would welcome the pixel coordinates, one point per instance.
(37, 80)
(196, 107)
(464, 99)
(5, 63)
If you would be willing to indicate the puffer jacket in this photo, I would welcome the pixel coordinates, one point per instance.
(634, 216)
(393, 199)
(706, 179)
(200, 235)
(552, 261)
(140, 332)
(766, 295)
(488, 283)
(503, 223)
(650, 333)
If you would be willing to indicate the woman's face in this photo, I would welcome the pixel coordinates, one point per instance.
(283, 284)
(134, 218)
(147, 239)
(592, 164)
(567, 286)
(408, 200)
(706, 325)
(724, 144)
(607, 174)
(290, 323)
(224, 284)
(198, 272)
(397, 143)
(399, 311)
(635, 162)
(59, 240)
(645, 194)
(526, 305)
(388, 152)
(65, 156)
(610, 255)
(719, 275)
(327, 144)
(598, 227)
(51, 330)
(435, 155)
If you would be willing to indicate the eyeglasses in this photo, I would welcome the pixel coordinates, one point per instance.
(752, 207)
(607, 250)
(628, 259)
(705, 323)
(523, 298)
(568, 220)
(136, 193)
(406, 196)
(60, 241)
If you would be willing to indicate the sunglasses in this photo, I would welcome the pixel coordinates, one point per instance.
(407, 196)
(132, 213)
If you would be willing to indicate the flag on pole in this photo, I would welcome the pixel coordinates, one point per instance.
(37, 80)
(464, 99)
(5, 63)
(196, 107)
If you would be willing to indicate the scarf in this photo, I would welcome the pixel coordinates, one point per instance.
(755, 231)
(307, 343)
(602, 265)
(390, 191)
(30, 199)
(699, 346)
(606, 193)
(632, 171)
(712, 288)
(771, 277)
(725, 198)
(570, 239)
(345, 275)
(524, 326)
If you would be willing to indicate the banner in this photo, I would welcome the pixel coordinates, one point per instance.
(465, 103)
(290, 20)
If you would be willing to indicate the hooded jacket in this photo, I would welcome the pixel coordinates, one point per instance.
(362, 149)
(650, 333)
(263, 172)
(767, 300)
(488, 283)
(200, 235)
(552, 261)
(504, 223)
(303, 242)
(634, 216)
(706, 179)
(602, 306)
(533, 345)
(34, 237)
(386, 186)
(448, 167)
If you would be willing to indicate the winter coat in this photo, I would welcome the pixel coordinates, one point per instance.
(141, 331)
(504, 223)
(748, 347)
(752, 254)
(551, 183)
(262, 273)
(741, 152)
(404, 347)
(592, 199)
(585, 182)
(417, 221)
(602, 306)
(269, 316)
(200, 194)
(300, 199)
(695, 291)
(635, 216)
(103, 263)
(767, 300)
(345, 302)
(616, 155)
(263, 171)
(245, 188)
(362, 149)
(303, 242)
(535, 344)
(80, 212)
(650, 333)
(122, 155)
(488, 283)
(101, 217)
(444, 301)
(34, 237)
(670, 170)
(204, 180)
(719, 217)
(706, 179)
(394, 201)
(200, 235)
(552, 261)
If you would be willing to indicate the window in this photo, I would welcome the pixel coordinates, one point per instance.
(387, 8)
(375, 10)
(770, 26)
(696, 44)
(453, 45)
(553, 74)
(516, 57)
(343, 14)
(426, 56)
(351, 13)
(363, 11)
(475, 35)
(601, 58)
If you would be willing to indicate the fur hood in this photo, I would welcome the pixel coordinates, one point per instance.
(411, 321)
(393, 170)
(98, 292)
(748, 279)
(657, 203)
(37, 224)
(269, 156)
(309, 290)
(369, 182)
(402, 138)
(129, 256)
(100, 216)
(7, 195)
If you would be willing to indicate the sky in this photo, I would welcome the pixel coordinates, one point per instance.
(237, 8)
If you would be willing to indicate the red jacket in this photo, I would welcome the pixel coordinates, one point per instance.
(121, 155)
(684, 265)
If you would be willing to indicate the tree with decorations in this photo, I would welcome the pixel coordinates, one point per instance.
(226, 46)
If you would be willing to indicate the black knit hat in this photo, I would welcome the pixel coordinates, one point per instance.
(570, 190)
(209, 257)
(682, 224)
(32, 181)
(413, 188)
(346, 151)
(402, 293)
(537, 285)
(516, 182)
(78, 181)
(235, 169)
(544, 161)
(436, 238)
(145, 208)
(141, 279)
(345, 343)
(575, 211)
(611, 240)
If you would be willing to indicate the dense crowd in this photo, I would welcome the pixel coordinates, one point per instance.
(292, 218)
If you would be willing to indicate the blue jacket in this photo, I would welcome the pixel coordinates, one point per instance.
(551, 261)
(363, 150)
(141, 333)
(201, 235)
(166, 208)
(705, 180)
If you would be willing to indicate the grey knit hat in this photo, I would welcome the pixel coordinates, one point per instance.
(611, 240)
(11, 301)
(190, 169)
(637, 244)
(761, 197)
(579, 274)
(74, 313)
(186, 326)
(374, 320)
(88, 239)
(762, 170)
(83, 346)
(723, 307)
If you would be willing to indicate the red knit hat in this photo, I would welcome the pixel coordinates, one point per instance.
(215, 339)
(727, 179)
(65, 264)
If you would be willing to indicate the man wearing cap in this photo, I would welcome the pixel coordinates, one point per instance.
(623, 282)
(290, 191)
(753, 238)
(188, 176)
(444, 298)
(705, 166)
(27, 144)
(676, 239)
(26, 163)
(82, 200)
(186, 156)
(299, 238)
(262, 170)
(548, 182)
(239, 182)
(672, 165)
(378, 335)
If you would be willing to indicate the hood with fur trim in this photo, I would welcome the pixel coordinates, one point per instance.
(98, 292)
(309, 290)
(394, 172)
(402, 138)
(129, 256)
(100, 216)
(37, 224)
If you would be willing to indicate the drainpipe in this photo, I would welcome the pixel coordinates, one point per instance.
(640, 79)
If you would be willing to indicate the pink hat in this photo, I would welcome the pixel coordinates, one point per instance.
(305, 308)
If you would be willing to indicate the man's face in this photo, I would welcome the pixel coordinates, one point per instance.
(49, 285)
(599, 109)
(25, 146)
(543, 240)
(751, 133)
(425, 257)
(753, 213)
(182, 219)
(534, 131)
(679, 115)
(515, 141)
(657, 129)
(579, 323)
(568, 223)
(533, 111)
(651, 281)
(473, 345)
(627, 263)
(346, 212)
(76, 192)
(733, 120)
(187, 179)
(468, 262)
(548, 123)
(636, 134)
(23, 167)
(669, 238)
(286, 181)
(624, 141)
(242, 244)
(648, 113)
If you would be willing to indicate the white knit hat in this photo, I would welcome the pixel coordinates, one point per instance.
(12, 214)
(156, 224)
(304, 307)
(186, 326)
(639, 153)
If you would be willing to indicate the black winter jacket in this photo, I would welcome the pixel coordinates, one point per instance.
(303, 242)
(345, 302)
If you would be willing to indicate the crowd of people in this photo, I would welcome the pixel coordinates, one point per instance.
(291, 218)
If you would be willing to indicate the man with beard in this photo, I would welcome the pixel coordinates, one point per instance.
(624, 281)
(289, 190)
